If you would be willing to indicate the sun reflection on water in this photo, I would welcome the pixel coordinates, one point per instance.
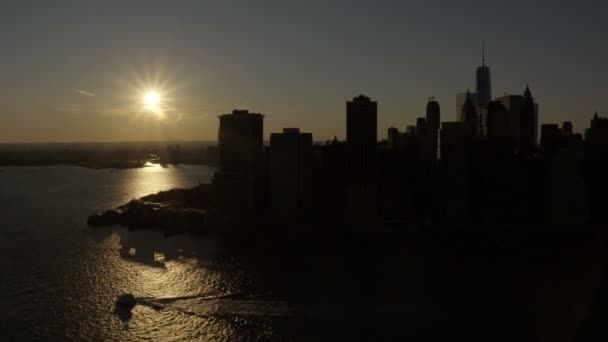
(151, 179)
(147, 266)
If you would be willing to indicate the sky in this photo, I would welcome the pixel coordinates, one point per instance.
(77, 71)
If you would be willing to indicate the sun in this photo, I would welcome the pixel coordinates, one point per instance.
(151, 98)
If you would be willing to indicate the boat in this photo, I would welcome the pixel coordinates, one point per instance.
(126, 301)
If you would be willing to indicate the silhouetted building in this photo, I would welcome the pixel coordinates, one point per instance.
(234, 194)
(330, 181)
(361, 132)
(361, 144)
(239, 184)
(484, 82)
(498, 123)
(213, 156)
(528, 123)
(596, 166)
(512, 103)
(522, 121)
(398, 141)
(433, 121)
(550, 135)
(393, 138)
(455, 138)
(433, 116)
(568, 194)
(461, 98)
(567, 128)
(596, 136)
(470, 115)
(421, 127)
(290, 174)
(241, 141)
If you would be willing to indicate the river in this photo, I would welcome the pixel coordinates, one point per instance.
(60, 278)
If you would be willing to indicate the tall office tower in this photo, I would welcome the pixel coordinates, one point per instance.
(241, 141)
(433, 116)
(361, 132)
(528, 123)
(290, 174)
(454, 139)
(461, 98)
(567, 128)
(393, 137)
(596, 154)
(513, 120)
(484, 83)
(497, 123)
(549, 138)
(239, 183)
(596, 137)
(361, 144)
(433, 122)
(421, 127)
(469, 115)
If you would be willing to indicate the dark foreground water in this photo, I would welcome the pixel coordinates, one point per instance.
(60, 278)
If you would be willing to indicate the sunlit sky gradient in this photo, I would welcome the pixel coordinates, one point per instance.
(76, 70)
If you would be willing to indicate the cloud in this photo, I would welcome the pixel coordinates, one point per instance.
(86, 93)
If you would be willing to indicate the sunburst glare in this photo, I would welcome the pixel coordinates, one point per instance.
(150, 92)
(152, 98)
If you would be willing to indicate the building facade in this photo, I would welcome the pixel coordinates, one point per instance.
(239, 184)
(483, 82)
(290, 174)
(361, 160)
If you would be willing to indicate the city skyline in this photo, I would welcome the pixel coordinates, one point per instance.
(66, 84)
(341, 170)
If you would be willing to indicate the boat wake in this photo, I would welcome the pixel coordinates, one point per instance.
(236, 305)
(233, 305)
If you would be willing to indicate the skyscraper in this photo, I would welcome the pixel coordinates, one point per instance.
(239, 183)
(361, 132)
(433, 121)
(513, 104)
(567, 128)
(522, 121)
(241, 141)
(469, 115)
(290, 178)
(483, 82)
(596, 154)
(361, 144)
(461, 98)
(393, 137)
(433, 116)
(528, 123)
(421, 127)
(497, 123)
(596, 136)
(549, 138)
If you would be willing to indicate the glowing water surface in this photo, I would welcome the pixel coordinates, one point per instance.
(60, 278)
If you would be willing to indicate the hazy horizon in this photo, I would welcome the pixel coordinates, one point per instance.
(78, 72)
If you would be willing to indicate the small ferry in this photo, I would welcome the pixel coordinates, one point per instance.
(126, 301)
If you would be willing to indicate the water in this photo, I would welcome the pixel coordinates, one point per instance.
(60, 278)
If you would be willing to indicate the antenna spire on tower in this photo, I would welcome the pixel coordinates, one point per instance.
(483, 53)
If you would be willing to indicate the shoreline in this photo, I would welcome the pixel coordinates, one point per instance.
(190, 211)
(104, 166)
